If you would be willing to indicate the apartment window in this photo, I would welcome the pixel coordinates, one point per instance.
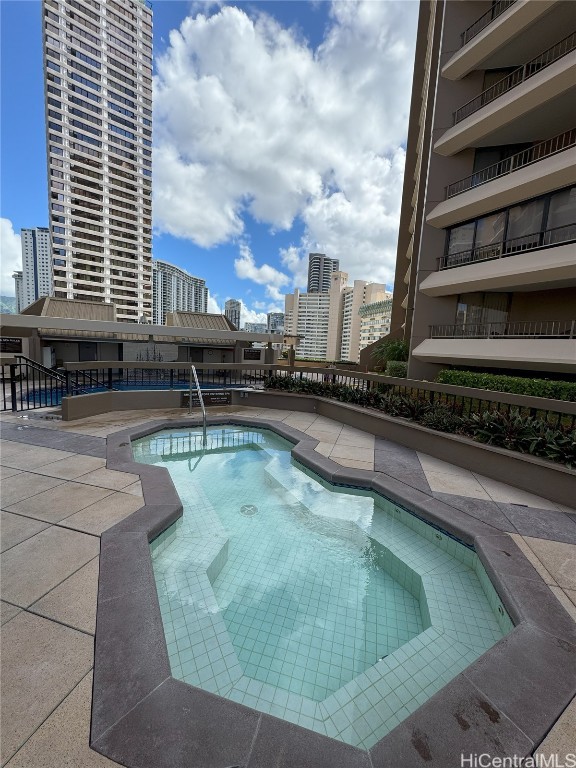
(84, 58)
(562, 209)
(481, 308)
(525, 219)
(83, 69)
(84, 81)
(52, 65)
(84, 127)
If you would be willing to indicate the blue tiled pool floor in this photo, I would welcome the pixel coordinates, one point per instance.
(331, 608)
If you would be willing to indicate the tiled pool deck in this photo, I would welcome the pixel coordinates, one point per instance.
(58, 497)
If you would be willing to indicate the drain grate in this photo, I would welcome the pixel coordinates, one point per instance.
(248, 510)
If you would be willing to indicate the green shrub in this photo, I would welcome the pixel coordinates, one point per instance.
(396, 368)
(391, 349)
(442, 418)
(512, 430)
(555, 390)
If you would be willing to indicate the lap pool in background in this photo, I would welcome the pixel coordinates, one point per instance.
(329, 607)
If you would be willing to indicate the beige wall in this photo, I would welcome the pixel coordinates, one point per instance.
(544, 305)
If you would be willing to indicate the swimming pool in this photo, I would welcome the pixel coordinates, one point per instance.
(328, 607)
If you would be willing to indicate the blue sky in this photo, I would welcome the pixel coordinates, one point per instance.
(279, 128)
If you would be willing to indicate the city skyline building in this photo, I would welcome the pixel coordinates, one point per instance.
(329, 322)
(35, 279)
(98, 100)
(486, 271)
(275, 322)
(174, 289)
(375, 321)
(320, 268)
(18, 291)
(255, 327)
(232, 310)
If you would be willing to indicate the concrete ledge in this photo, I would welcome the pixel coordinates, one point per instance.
(81, 406)
(143, 718)
(543, 478)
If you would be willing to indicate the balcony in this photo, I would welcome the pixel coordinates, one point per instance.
(538, 152)
(524, 345)
(487, 18)
(504, 35)
(523, 106)
(545, 239)
(525, 176)
(518, 329)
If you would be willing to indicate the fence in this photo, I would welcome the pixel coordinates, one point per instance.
(46, 388)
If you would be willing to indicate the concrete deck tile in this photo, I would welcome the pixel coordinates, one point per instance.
(41, 663)
(8, 611)
(104, 514)
(558, 558)
(47, 748)
(353, 463)
(531, 556)
(360, 441)
(507, 493)
(481, 509)
(565, 601)
(31, 457)
(9, 447)
(15, 529)
(541, 523)
(560, 740)
(324, 448)
(324, 435)
(6, 472)
(352, 452)
(109, 478)
(72, 467)
(37, 565)
(461, 485)
(431, 464)
(570, 593)
(73, 602)
(135, 489)
(60, 502)
(24, 485)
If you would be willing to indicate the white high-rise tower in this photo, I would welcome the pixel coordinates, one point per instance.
(36, 264)
(98, 87)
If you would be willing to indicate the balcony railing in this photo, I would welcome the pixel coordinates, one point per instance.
(513, 163)
(516, 77)
(520, 329)
(545, 239)
(487, 18)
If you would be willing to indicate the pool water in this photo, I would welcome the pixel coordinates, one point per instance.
(329, 607)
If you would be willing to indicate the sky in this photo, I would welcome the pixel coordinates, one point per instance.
(279, 129)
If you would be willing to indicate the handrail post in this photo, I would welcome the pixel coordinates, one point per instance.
(201, 400)
(13, 386)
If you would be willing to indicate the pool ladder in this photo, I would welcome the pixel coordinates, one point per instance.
(201, 400)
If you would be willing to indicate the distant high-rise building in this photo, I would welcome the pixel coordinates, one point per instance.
(19, 291)
(98, 88)
(320, 269)
(175, 290)
(275, 322)
(232, 310)
(328, 322)
(255, 327)
(36, 272)
(375, 321)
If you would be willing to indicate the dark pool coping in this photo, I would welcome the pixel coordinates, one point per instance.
(502, 704)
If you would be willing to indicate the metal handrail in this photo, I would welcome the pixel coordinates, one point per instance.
(513, 163)
(546, 238)
(519, 75)
(201, 400)
(487, 18)
(519, 329)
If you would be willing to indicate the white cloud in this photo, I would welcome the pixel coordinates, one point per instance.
(213, 306)
(246, 269)
(11, 251)
(248, 315)
(249, 119)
